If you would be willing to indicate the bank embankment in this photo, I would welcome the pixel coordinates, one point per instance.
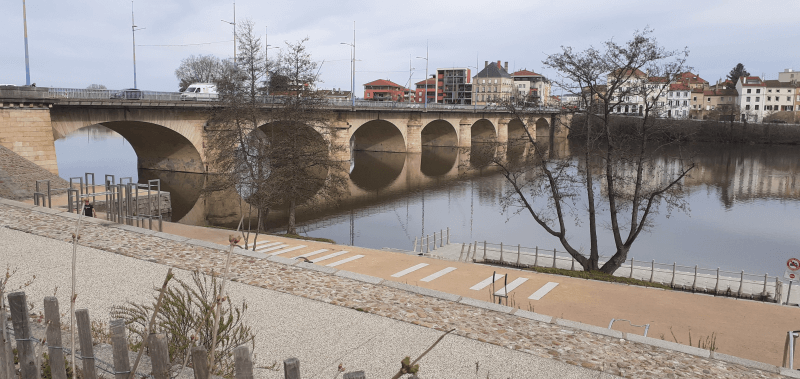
(18, 176)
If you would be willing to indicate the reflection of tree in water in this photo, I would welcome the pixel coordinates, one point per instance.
(373, 170)
(438, 161)
(481, 155)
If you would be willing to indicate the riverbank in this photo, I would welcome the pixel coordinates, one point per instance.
(708, 131)
(385, 294)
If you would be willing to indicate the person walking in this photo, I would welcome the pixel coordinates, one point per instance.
(88, 209)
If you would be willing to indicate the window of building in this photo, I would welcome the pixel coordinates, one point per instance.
(769, 107)
(709, 99)
(777, 91)
(685, 103)
(748, 99)
(769, 91)
(695, 98)
(758, 90)
(769, 98)
(756, 108)
(748, 90)
(747, 107)
(758, 98)
(788, 98)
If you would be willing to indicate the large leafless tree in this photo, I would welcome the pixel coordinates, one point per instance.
(616, 173)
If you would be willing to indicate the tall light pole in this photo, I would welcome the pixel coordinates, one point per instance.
(27, 63)
(352, 67)
(234, 32)
(133, 31)
(426, 74)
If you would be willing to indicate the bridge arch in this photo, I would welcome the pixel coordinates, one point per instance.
(542, 126)
(439, 133)
(483, 131)
(516, 130)
(161, 139)
(378, 135)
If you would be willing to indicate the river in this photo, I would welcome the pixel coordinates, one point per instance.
(743, 203)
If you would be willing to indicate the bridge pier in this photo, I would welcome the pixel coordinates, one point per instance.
(465, 133)
(25, 129)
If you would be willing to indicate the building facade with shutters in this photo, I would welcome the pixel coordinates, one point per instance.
(492, 85)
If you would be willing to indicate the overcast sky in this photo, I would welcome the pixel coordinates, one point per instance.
(76, 43)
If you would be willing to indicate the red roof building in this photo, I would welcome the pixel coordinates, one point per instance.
(385, 90)
(420, 92)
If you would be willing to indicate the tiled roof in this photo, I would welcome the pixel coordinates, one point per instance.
(627, 72)
(678, 87)
(525, 73)
(744, 80)
(431, 82)
(493, 70)
(776, 83)
(383, 82)
(657, 79)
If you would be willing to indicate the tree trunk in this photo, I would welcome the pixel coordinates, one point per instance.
(594, 257)
(615, 262)
(290, 229)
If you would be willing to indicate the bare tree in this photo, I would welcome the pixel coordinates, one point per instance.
(276, 156)
(198, 69)
(617, 153)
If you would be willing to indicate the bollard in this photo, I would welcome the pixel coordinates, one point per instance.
(652, 269)
(741, 285)
(448, 235)
(631, 275)
(672, 282)
(441, 238)
(536, 257)
(554, 258)
(434, 240)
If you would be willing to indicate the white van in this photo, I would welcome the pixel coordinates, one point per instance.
(200, 92)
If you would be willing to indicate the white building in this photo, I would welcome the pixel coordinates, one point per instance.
(678, 101)
(779, 96)
(752, 93)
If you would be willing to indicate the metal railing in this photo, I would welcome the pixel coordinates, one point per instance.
(141, 95)
(693, 278)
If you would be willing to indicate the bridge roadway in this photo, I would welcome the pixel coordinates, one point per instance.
(169, 134)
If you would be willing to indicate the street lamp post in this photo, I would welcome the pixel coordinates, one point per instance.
(133, 30)
(426, 75)
(27, 64)
(352, 67)
(234, 32)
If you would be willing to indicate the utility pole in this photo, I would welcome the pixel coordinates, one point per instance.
(27, 63)
(133, 31)
(234, 32)
(426, 74)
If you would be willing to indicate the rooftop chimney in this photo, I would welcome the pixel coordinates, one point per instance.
(498, 65)
(486, 64)
(506, 66)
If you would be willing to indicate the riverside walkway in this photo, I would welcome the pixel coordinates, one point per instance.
(440, 295)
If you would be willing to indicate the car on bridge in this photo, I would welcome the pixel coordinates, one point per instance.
(200, 92)
(128, 94)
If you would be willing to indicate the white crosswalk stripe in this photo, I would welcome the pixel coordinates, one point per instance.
(484, 283)
(438, 274)
(272, 248)
(288, 250)
(511, 286)
(409, 270)
(348, 259)
(306, 255)
(261, 246)
(539, 294)
(329, 256)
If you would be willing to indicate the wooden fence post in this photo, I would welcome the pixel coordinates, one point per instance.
(716, 286)
(243, 363)
(554, 258)
(6, 360)
(501, 252)
(536, 257)
(54, 346)
(631, 275)
(415, 244)
(763, 293)
(200, 362)
(291, 368)
(652, 269)
(694, 283)
(672, 282)
(573, 264)
(462, 253)
(484, 250)
(85, 339)
(355, 375)
(519, 253)
(159, 355)
(26, 351)
(122, 363)
(448, 235)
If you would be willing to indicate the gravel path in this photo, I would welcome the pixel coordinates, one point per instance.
(304, 313)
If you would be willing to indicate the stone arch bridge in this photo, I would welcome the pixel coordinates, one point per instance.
(169, 135)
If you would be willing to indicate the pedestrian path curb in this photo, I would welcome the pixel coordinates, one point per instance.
(654, 342)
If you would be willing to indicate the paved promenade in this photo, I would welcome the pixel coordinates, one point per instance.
(512, 330)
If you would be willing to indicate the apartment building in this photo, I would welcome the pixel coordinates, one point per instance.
(454, 86)
(752, 91)
(529, 83)
(717, 103)
(422, 86)
(779, 97)
(678, 101)
(385, 90)
(492, 84)
(630, 102)
(788, 76)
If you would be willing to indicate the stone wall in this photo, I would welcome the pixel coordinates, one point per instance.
(25, 129)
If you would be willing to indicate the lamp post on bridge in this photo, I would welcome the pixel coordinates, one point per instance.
(352, 67)
(133, 31)
(234, 32)
(27, 64)
(426, 75)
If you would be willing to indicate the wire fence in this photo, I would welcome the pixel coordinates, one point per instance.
(690, 278)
